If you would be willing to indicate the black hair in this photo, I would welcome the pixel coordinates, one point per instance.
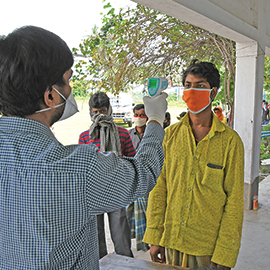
(98, 100)
(167, 116)
(182, 114)
(138, 107)
(32, 59)
(205, 70)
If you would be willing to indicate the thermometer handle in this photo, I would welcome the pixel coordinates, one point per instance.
(155, 93)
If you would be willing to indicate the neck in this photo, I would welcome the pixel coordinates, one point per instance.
(202, 119)
(201, 123)
(141, 129)
(43, 118)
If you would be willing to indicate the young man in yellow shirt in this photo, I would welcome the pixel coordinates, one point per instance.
(196, 208)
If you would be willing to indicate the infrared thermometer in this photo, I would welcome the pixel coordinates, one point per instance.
(156, 86)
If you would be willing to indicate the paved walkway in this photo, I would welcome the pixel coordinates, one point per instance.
(255, 248)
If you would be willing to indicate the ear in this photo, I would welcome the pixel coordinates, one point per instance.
(49, 98)
(213, 93)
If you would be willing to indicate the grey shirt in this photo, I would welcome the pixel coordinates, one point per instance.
(136, 137)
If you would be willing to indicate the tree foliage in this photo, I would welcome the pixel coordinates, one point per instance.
(266, 85)
(136, 44)
(80, 88)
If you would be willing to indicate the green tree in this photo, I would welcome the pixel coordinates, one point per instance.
(266, 82)
(80, 88)
(140, 43)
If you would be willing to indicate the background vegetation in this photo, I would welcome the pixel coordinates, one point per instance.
(136, 44)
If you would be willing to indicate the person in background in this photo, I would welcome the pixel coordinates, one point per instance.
(140, 120)
(136, 211)
(219, 113)
(265, 112)
(108, 137)
(167, 120)
(196, 209)
(51, 193)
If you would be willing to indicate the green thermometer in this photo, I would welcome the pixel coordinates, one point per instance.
(156, 85)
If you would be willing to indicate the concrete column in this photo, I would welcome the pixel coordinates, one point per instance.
(248, 109)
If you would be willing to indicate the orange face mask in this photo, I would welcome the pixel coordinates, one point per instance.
(197, 99)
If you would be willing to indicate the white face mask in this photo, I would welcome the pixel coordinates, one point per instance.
(139, 122)
(70, 109)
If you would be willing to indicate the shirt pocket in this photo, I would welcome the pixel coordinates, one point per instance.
(213, 177)
(213, 188)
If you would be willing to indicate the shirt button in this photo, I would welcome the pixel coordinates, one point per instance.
(186, 206)
(189, 189)
(195, 158)
(183, 223)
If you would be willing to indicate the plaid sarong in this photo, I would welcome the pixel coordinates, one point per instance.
(136, 215)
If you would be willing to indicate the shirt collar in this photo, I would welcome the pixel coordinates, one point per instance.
(25, 125)
(185, 119)
(217, 125)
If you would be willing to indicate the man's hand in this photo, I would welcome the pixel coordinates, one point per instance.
(157, 254)
(218, 266)
(155, 108)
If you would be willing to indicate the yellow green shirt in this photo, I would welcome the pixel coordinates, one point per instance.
(197, 205)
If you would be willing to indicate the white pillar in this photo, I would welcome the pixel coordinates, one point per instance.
(248, 108)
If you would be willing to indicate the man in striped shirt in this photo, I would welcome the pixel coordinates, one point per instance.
(103, 126)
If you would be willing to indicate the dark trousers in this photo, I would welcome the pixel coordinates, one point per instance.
(120, 233)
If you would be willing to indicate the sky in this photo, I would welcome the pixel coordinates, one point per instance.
(69, 19)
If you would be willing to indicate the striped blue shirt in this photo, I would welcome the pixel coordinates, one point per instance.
(50, 194)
